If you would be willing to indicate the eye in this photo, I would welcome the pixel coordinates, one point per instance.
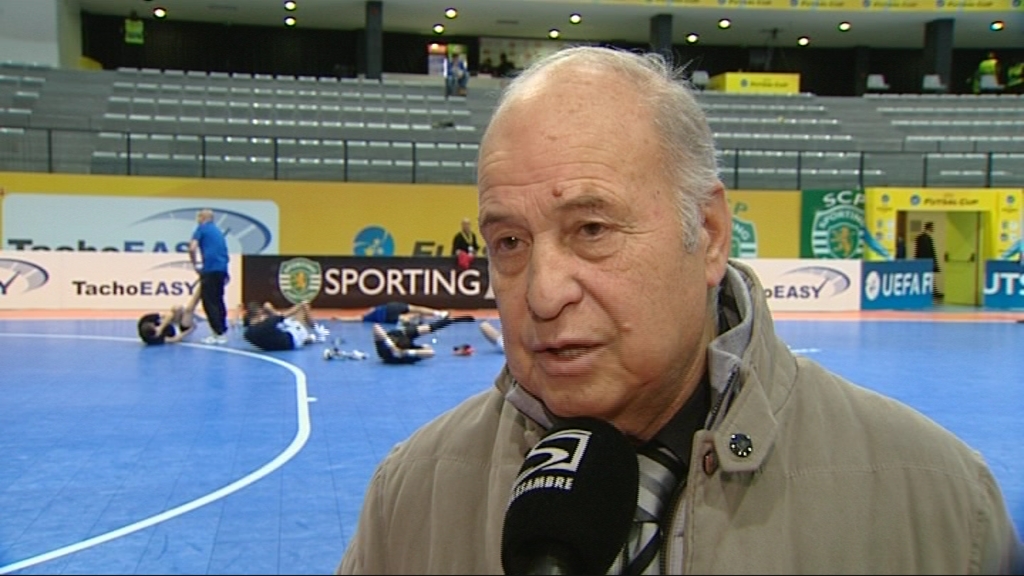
(592, 229)
(507, 243)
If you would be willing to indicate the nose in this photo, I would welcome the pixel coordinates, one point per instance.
(552, 283)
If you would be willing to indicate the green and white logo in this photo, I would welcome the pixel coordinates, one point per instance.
(831, 224)
(835, 232)
(744, 239)
(300, 279)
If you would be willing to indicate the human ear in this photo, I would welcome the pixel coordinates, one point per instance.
(718, 231)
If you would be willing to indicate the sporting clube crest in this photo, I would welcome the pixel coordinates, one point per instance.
(835, 220)
(356, 282)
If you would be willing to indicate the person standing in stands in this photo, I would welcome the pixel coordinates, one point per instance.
(505, 67)
(209, 245)
(988, 66)
(1015, 78)
(133, 30)
(457, 75)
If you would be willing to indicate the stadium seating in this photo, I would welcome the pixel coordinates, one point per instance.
(403, 129)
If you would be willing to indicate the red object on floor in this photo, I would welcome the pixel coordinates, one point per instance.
(463, 350)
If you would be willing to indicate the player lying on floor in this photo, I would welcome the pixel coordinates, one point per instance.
(271, 329)
(397, 312)
(398, 345)
(170, 326)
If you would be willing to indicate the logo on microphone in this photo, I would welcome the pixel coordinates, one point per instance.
(553, 463)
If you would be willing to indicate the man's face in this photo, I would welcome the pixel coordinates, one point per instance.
(602, 308)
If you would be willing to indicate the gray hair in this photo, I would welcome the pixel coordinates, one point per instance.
(689, 145)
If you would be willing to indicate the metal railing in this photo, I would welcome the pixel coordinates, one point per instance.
(70, 151)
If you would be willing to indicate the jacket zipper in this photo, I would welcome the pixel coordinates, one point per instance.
(677, 496)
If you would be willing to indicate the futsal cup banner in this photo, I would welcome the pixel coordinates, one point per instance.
(830, 223)
(362, 282)
(132, 224)
(796, 285)
(102, 281)
(1000, 207)
(845, 5)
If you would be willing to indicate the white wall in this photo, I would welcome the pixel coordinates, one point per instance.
(29, 31)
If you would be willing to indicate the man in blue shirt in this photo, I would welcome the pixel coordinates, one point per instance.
(209, 243)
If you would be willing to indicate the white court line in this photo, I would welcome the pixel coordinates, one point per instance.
(804, 350)
(302, 401)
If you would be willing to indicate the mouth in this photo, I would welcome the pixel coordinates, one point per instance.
(566, 351)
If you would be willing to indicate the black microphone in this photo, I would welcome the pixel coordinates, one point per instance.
(573, 502)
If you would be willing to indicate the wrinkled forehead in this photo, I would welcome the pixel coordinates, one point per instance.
(568, 106)
(569, 116)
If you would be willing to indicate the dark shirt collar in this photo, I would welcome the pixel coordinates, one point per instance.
(677, 435)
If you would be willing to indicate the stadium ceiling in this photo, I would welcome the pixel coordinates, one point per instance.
(607, 20)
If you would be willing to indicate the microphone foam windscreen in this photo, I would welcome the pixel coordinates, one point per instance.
(576, 491)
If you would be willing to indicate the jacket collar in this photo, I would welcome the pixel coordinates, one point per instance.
(742, 363)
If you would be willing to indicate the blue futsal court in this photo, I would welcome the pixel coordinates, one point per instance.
(191, 459)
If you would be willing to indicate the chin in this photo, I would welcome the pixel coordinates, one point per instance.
(573, 401)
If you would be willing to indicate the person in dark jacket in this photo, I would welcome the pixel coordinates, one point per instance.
(924, 248)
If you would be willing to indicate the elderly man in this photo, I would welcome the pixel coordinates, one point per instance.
(208, 251)
(608, 235)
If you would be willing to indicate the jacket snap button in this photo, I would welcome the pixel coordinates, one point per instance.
(710, 462)
(741, 445)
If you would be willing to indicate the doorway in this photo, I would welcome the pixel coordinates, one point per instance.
(962, 257)
(957, 239)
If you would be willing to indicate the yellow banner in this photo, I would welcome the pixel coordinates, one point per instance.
(999, 207)
(316, 218)
(355, 219)
(827, 4)
(846, 5)
(941, 5)
(756, 83)
(765, 223)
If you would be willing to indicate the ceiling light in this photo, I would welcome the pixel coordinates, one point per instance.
(724, 23)
(289, 21)
(692, 37)
(438, 28)
(450, 13)
(289, 5)
(996, 26)
(554, 33)
(803, 41)
(159, 12)
(845, 26)
(575, 18)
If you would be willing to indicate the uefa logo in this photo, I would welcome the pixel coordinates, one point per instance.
(872, 285)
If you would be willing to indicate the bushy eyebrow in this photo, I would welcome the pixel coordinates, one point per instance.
(582, 203)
